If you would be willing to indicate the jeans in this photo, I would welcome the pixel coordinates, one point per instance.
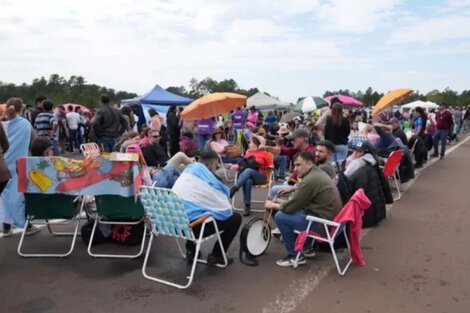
(201, 141)
(247, 179)
(441, 135)
(166, 177)
(230, 229)
(288, 223)
(108, 143)
(275, 189)
(280, 161)
(73, 139)
(341, 153)
(55, 147)
(231, 160)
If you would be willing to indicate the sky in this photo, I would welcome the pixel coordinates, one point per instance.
(289, 48)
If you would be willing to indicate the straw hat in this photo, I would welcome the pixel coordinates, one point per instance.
(283, 130)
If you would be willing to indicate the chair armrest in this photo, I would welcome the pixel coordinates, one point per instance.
(199, 221)
(322, 221)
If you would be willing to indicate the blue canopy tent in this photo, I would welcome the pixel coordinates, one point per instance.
(158, 99)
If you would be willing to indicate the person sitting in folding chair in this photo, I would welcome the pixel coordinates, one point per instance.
(316, 195)
(219, 145)
(204, 194)
(255, 170)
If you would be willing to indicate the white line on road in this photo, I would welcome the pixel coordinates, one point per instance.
(299, 289)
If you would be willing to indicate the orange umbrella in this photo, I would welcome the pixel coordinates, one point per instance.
(212, 105)
(391, 98)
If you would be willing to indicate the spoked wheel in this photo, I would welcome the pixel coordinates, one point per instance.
(258, 237)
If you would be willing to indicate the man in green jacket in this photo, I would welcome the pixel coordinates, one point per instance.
(316, 195)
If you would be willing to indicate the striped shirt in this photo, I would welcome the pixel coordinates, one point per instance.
(44, 123)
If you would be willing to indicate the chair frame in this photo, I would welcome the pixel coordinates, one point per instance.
(48, 224)
(267, 185)
(225, 171)
(203, 221)
(100, 220)
(396, 173)
(330, 239)
(90, 149)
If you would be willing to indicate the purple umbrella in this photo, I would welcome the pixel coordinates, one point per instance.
(346, 100)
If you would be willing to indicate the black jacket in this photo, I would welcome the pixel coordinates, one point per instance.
(155, 155)
(108, 122)
(367, 178)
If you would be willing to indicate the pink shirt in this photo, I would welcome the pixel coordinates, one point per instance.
(156, 122)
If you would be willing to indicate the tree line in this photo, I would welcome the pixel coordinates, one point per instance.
(75, 89)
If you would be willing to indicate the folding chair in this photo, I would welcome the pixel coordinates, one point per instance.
(267, 186)
(167, 216)
(391, 171)
(112, 210)
(90, 150)
(47, 207)
(224, 169)
(334, 228)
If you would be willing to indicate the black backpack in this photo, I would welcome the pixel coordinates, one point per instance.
(343, 184)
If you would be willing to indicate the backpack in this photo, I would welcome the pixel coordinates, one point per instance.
(127, 235)
(343, 184)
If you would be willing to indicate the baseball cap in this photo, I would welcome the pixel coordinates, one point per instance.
(365, 146)
(300, 132)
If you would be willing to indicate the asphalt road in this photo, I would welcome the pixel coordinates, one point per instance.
(417, 261)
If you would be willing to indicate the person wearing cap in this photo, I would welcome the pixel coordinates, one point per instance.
(258, 165)
(363, 153)
(444, 123)
(397, 131)
(300, 143)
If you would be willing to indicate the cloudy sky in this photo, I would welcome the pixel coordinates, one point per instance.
(289, 48)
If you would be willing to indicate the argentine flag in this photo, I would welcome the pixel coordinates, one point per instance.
(202, 193)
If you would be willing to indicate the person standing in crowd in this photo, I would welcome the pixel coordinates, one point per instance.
(19, 133)
(238, 119)
(204, 130)
(38, 109)
(270, 119)
(444, 123)
(173, 129)
(4, 171)
(458, 116)
(420, 122)
(73, 121)
(156, 120)
(108, 124)
(127, 113)
(46, 124)
(62, 133)
(337, 130)
(252, 117)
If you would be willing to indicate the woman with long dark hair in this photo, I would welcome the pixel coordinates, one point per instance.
(337, 130)
(173, 130)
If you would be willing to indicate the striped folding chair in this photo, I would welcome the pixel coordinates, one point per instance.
(167, 216)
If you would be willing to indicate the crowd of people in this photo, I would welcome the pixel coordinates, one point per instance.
(309, 156)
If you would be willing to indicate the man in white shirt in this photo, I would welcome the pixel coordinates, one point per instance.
(73, 122)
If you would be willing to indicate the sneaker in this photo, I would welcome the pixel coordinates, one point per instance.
(309, 253)
(246, 211)
(442, 157)
(7, 233)
(434, 155)
(276, 232)
(214, 260)
(288, 261)
(32, 229)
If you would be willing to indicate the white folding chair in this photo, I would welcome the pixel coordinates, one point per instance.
(332, 230)
(90, 150)
(167, 216)
(267, 186)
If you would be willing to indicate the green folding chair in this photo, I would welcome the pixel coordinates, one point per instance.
(117, 210)
(48, 207)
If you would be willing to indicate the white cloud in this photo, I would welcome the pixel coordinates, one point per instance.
(355, 16)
